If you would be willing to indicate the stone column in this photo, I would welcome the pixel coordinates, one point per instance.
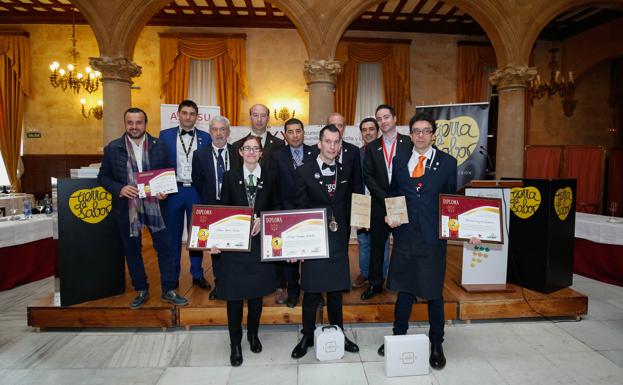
(511, 82)
(117, 74)
(320, 76)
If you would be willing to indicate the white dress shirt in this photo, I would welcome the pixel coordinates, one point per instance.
(184, 163)
(415, 158)
(138, 152)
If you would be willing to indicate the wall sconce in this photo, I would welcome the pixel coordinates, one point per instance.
(284, 114)
(97, 112)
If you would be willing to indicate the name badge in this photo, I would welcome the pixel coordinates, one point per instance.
(186, 172)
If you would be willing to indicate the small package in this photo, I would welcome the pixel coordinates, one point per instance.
(406, 355)
(329, 343)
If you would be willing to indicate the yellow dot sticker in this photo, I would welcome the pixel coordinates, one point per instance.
(91, 205)
(525, 201)
(563, 200)
(458, 137)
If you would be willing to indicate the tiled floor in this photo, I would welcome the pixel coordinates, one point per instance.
(518, 352)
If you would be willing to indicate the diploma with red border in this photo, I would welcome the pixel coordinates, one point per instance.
(152, 182)
(463, 217)
(294, 234)
(226, 227)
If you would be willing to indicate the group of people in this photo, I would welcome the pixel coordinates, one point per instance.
(266, 173)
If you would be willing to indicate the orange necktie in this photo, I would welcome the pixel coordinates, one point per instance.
(418, 171)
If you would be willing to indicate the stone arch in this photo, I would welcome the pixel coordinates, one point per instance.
(548, 11)
(489, 14)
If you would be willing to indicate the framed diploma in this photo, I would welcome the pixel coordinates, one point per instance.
(360, 210)
(300, 234)
(463, 217)
(226, 227)
(152, 182)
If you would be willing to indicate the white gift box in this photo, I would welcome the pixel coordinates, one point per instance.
(329, 343)
(406, 355)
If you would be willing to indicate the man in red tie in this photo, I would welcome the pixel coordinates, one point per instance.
(418, 261)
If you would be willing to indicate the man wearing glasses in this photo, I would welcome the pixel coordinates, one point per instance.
(259, 115)
(418, 262)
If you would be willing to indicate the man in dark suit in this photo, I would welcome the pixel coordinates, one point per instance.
(349, 153)
(209, 165)
(260, 115)
(325, 183)
(418, 263)
(134, 152)
(377, 174)
(285, 161)
(181, 142)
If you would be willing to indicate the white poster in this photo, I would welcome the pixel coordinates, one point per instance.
(169, 118)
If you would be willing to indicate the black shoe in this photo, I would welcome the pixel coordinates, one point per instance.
(301, 348)
(212, 295)
(141, 297)
(292, 301)
(202, 283)
(437, 360)
(350, 346)
(172, 297)
(370, 292)
(381, 350)
(235, 358)
(254, 342)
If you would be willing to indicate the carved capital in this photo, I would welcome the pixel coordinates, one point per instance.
(117, 68)
(512, 77)
(322, 71)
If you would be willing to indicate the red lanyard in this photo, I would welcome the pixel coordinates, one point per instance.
(389, 157)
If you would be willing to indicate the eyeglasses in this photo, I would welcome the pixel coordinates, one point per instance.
(426, 131)
(251, 148)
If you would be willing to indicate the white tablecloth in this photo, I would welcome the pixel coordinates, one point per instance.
(13, 233)
(596, 228)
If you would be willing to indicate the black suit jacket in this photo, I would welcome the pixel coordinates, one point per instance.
(113, 174)
(272, 144)
(375, 173)
(352, 159)
(204, 175)
(282, 164)
(332, 274)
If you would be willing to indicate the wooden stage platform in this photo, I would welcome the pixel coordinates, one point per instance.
(459, 305)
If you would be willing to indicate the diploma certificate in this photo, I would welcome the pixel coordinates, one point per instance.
(360, 211)
(463, 217)
(396, 209)
(152, 182)
(226, 227)
(299, 234)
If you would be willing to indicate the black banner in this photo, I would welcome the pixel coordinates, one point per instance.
(462, 132)
(91, 262)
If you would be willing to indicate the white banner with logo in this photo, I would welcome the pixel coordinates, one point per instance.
(169, 117)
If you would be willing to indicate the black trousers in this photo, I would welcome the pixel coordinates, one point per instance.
(288, 277)
(234, 318)
(379, 232)
(402, 311)
(310, 307)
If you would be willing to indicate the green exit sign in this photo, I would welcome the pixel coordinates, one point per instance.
(33, 135)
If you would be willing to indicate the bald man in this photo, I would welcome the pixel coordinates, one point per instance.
(259, 115)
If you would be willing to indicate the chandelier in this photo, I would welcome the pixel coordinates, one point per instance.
(556, 84)
(72, 79)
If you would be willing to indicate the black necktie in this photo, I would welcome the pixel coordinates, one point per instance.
(220, 166)
(184, 132)
(331, 168)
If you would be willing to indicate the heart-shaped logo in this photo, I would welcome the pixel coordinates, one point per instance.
(525, 201)
(562, 202)
(458, 137)
(91, 205)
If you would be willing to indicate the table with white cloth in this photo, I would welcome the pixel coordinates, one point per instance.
(598, 248)
(28, 250)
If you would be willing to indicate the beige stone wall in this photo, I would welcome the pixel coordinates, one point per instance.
(55, 113)
(592, 117)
